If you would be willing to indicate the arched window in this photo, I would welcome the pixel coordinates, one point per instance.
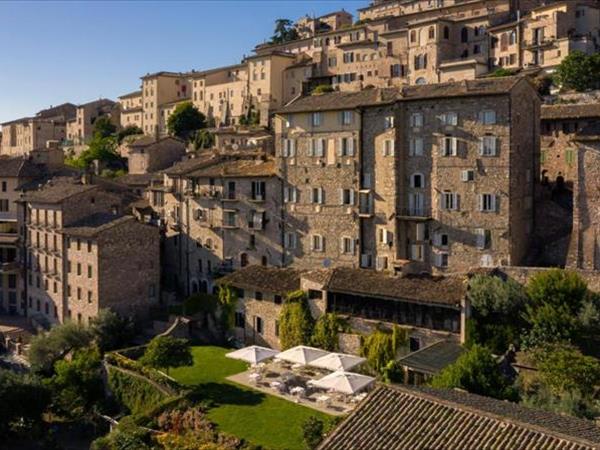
(208, 243)
(203, 287)
(417, 181)
(421, 81)
(464, 35)
(446, 33)
(264, 260)
(431, 32)
(243, 260)
(194, 287)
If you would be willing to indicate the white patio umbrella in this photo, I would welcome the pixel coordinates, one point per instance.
(344, 382)
(301, 354)
(253, 354)
(337, 361)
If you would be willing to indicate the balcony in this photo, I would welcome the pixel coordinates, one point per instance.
(537, 43)
(414, 214)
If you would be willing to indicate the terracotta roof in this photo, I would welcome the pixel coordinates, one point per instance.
(95, 224)
(183, 167)
(237, 168)
(465, 88)
(141, 179)
(448, 290)
(570, 111)
(267, 279)
(341, 100)
(55, 191)
(18, 167)
(421, 418)
(433, 358)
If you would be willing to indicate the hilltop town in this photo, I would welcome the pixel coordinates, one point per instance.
(411, 187)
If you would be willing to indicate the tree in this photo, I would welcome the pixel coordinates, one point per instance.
(129, 130)
(326, 332)
(312, 432)
(102, 149)
(578, 71)
(227, 302)
(111, 331)
(564, 369)
(475, 371)
(103, 127)
(322, 89)
(556, 298)
(381, 347)
(203, 139)
(284, 32)
(497, 309)
(47, 348)
(295, 321)
(77, 384)
(165, 352)
(23, 400)
(185, 120)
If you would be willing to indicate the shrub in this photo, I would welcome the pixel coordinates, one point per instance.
(322, 89)
(312, 432)
(295, 321)
(326, 332)
(381, 347)
(164, 352)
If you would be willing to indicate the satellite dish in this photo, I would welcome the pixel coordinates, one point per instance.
(326, 263)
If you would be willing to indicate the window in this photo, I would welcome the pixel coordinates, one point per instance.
(277, 299)
(488, 203)
(441, 259)
(417, 181)
(290, 194)
(258, 295)
(417, 252)
(386, 237)
(4, 205)
(259, 189)
(4, 186)
(317, 195)
(449, 119)
(431, 32)
(89, 270)
(413, 36)
(416, 120)
(389, 122)
(420, 61)
(230, 218)
(464, 34)
(346, 146)
(487, 117)
(449, 146)
(346, 196)
(256, 220)
(388, 147)
(347, 117)
(415, 147)
(78, 268)
(488, 146)
(317, 243)
(289, 148)
(316, 119)
(441, 240)
(467, 175)
(347, 245)
(317, 147)
(259, 325)
(291, 240)
(483, 238)
(348, 57)
(569, 157)
(449, 201)
(240, 320)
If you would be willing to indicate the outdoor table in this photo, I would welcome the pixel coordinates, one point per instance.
(324, 399)
(276, 385)
(254, 377)
(297, 390)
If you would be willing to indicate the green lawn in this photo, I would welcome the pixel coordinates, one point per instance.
(261, 419)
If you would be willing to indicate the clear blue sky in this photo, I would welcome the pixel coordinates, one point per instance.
(54, 52)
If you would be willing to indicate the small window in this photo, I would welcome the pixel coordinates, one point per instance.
(277, 299)
(258, 295)
(316, 119)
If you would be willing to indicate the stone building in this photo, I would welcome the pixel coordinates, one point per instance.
(146, 154)
(80, 129)
(431, 309)
(79, 252)
(418, 179)
(20, 137)
(132, 110)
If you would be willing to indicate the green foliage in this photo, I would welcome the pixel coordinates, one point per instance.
(201, 303)
(497, 309)
(579, 71)
(203, 139)
(113, 173)
(326, 332)
(564, 369)
(382, 346)
(127, 436)
(185, 120)
(23, 400)
(47, 348)
(103, 149)
(322, 89)
(167, 352)
(124, 362)
(103, 127)
(111, 331)
(556, 297)
(130, 130)
(136, 394)
(475, 371)
(227, 302)
(393, 373)
(312, 432)
(570, 403)
(77, 384)
(501, 72)
(284, 32)
(295, 321)
(251, 118)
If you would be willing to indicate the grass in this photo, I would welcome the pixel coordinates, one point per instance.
(261, 419)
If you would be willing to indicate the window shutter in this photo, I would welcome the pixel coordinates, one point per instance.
(286, 195)
(351, 147)
(341, 192)
(481, 146)
(321, 195)
(340, 147)
(352, 197)
(419, 146)
(311, 148)
(495, 146)
(495, 203)
(437, 239)
(481, 116)
(480, 202)
(322, 146)
(454, 146)
(392, 147)
(292, 151)
(456, 202)
(412, 147)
